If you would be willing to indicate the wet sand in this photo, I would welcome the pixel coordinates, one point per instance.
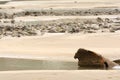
(58, 75)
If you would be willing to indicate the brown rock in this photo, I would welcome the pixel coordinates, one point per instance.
(91, 59)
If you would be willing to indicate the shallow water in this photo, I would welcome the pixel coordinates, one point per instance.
(28, 64)
(10, 64)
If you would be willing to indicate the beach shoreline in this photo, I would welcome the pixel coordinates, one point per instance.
(61, 74)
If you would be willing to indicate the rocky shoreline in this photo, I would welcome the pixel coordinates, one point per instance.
(10, 27)
(12, 12)
(99, 25)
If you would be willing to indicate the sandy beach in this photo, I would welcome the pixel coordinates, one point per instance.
(62, 44)
(59, 46)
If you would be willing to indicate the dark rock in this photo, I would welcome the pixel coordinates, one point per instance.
(89, 58)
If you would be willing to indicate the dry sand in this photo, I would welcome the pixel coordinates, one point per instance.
(48, 18)
(62, 44)
(63, 4)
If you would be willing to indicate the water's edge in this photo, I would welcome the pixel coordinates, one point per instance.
(13, 64)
